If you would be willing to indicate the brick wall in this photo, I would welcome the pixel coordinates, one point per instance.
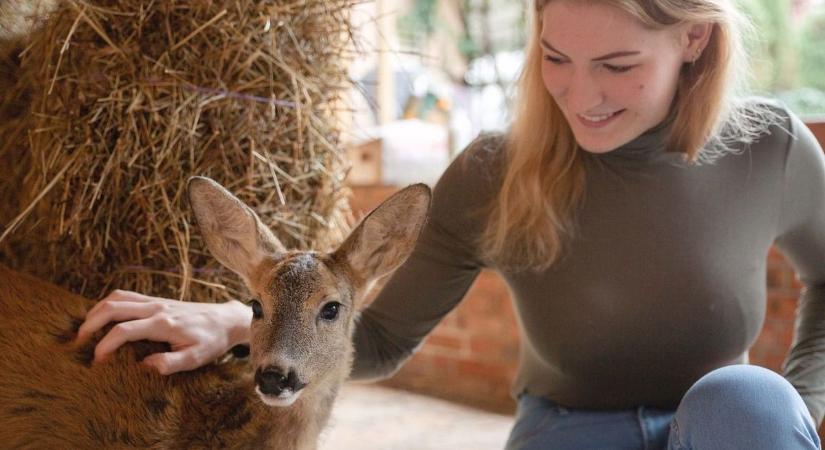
(471, 356)
(819, 130)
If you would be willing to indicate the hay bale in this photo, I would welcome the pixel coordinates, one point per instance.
(14, 103)
(129, 99)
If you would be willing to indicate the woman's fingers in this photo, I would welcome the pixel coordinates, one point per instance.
(133, 330)
(114, 311)
(177, 361)
(197, 332)
(119, 295)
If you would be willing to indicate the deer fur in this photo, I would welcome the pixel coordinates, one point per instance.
(53, 396)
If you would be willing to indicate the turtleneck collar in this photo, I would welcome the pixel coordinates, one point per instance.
(647, 147)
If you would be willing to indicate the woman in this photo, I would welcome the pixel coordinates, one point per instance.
(630, 208)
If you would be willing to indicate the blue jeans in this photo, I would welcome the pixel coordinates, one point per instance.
(737, 407)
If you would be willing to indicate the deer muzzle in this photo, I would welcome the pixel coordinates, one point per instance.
(278, 387)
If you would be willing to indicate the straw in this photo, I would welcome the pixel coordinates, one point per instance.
(122, 101)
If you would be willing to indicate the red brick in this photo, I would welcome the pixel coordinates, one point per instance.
(768, 354)
(494, 348)
(795, 282)
(780, 332)
(772, 345)
(771, 361)
(484, 370)
(449, 321)
(446, 345)
(781, 306)
(365, 198)
(779, 276)
(818, 129)
(429, 365)
(775, 256)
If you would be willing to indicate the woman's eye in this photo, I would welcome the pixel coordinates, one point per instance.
(257, 309)
(617, 69)
(330, 311)
(553, 59)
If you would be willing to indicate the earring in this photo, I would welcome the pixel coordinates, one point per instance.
(698, 54)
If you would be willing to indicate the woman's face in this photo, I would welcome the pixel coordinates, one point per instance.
(611, 77)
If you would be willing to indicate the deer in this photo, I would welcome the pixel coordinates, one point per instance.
(300, 351)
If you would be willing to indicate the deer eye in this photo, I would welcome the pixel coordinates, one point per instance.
(257, 309)
(330, 311)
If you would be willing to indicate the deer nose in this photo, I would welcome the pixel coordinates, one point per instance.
(274, 381)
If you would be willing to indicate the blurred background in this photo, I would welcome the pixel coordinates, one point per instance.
(435, 73)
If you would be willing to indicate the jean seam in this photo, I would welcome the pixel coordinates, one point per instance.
(641, 419)
(677, 437)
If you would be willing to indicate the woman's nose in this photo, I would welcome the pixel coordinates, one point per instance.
(583, 93)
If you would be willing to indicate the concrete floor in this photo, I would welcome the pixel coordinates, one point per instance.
(370, 417)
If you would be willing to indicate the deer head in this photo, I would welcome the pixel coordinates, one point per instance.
(304, 302)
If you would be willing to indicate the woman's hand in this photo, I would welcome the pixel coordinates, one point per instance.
(198, 333)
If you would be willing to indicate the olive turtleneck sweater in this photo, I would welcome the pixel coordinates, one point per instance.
(663, 282)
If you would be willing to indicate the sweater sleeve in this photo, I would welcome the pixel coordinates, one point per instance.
(802, 240)
(440, 270)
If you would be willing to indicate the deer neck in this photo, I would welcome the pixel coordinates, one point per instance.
(307, 417)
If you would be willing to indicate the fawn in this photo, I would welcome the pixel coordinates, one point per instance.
(304, 306)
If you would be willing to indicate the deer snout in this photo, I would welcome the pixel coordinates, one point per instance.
(276, 381)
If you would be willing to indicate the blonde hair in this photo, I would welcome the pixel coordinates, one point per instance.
(543, 183)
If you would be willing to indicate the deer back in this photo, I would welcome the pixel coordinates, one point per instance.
(52, 396)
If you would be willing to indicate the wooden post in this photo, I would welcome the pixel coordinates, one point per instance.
(386, 43)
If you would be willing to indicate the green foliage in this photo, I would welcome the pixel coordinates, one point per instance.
(772, 47)
(482, 23)
(788, 61)
(804, 101)
(468, 47)
(420, 20)
(812, 51)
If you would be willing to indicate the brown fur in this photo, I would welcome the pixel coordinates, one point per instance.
(53, 396)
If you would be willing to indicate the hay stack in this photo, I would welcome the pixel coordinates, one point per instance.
(130, 98)
(16, 20)
(14, 101)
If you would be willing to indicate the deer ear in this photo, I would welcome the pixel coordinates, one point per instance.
(385, 238)
(234, 234)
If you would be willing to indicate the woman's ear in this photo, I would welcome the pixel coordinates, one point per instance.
(694, 40)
